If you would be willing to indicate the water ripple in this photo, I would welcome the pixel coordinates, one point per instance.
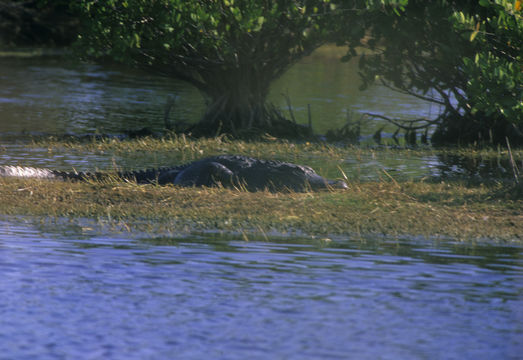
(70, 294)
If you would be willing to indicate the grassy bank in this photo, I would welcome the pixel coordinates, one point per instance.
(385, 206)
(389, 208)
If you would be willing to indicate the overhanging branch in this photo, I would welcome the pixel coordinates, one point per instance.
(407, 124)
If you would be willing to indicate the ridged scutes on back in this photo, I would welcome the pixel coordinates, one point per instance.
(149, 175)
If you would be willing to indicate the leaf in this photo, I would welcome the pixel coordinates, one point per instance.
(259, 24)
(474, 33)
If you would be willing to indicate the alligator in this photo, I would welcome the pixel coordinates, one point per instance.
(232, 171)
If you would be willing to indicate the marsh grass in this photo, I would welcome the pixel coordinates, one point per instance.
(387, 208)
(184, 147)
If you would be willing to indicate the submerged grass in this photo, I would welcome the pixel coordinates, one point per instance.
(388, 206)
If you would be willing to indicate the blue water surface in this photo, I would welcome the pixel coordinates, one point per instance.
(73, 292)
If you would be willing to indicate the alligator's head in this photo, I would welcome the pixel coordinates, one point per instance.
(317, 182)
(253, 175)
(301, 178)
(338, 184)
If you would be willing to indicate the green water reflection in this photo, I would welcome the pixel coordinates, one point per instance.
(55, 95)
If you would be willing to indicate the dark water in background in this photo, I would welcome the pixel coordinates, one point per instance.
(76, 292)
(53, 95)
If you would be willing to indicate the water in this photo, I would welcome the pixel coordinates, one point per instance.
(24, 155)
(82, 292)
(54, 95)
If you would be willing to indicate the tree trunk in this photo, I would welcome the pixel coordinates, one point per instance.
(234, 109)
(236, 105)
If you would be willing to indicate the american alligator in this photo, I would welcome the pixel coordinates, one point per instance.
(228, 170)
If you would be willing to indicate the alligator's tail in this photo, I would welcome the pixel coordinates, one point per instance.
(40, 173)
(141, 177)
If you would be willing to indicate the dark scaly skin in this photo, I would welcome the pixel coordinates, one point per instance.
(255, 174)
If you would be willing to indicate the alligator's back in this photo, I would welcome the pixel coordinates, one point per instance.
(257, 174)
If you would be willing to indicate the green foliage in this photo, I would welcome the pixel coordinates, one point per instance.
(231, 50)
(188, 34)
(495, 70)
(462, 55)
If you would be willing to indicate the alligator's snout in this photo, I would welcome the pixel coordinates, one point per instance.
(339, 184)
